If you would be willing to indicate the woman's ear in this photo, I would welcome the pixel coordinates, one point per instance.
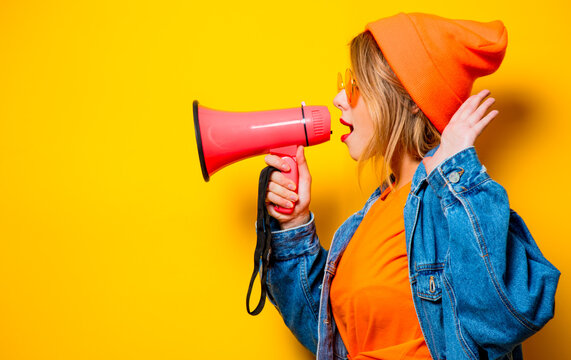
(415, 109)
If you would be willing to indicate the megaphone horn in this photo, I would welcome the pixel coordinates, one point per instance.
(226, 137)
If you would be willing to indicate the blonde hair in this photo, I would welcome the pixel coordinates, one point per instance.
(400, 127)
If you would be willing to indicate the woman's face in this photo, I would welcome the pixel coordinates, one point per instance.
(359, 122)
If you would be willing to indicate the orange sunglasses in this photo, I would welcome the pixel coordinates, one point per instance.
(350, 86)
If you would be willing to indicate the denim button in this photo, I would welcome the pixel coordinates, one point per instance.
(454, 177)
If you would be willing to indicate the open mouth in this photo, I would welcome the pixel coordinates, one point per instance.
(343, 137)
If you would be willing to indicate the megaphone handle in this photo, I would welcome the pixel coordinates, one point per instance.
(292, 175)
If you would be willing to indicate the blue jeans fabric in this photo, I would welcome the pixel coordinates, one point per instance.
(480, 284)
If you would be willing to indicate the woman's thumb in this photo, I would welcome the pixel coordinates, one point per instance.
(304, 175)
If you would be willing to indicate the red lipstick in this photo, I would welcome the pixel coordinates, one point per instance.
(344, 137)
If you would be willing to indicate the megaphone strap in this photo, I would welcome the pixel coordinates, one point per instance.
(264, 238)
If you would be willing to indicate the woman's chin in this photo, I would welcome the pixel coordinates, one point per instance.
(355, 156)
(352, 153)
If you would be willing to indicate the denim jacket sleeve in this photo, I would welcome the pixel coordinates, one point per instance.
(295, 273)
(502, 285)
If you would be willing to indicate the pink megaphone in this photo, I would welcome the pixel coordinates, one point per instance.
(225, 137)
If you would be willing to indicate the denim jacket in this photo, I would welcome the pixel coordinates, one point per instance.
(480, 284)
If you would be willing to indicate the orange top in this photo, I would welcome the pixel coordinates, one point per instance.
(371, 297)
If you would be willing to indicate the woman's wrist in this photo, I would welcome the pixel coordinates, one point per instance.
(443, 153)
(431, 162)
(300, 220)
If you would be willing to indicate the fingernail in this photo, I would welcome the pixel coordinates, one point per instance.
(289, 205)
(291, 186)
(293, 197)
(285, 167)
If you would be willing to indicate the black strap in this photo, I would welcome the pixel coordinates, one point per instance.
(264, 238)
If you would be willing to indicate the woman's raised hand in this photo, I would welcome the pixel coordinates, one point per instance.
(465, 126)
(281, 191)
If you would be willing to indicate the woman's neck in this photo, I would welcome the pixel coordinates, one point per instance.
(408, 166)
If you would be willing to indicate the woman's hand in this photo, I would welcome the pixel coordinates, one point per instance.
(281, 191)
(465, 126)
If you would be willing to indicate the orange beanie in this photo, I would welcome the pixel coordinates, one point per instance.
(438, 59)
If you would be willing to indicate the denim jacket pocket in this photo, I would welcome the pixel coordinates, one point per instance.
(429, 285)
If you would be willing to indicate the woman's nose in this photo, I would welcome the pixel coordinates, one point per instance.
(340, 101)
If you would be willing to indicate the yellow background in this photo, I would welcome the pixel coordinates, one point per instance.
(111, 244)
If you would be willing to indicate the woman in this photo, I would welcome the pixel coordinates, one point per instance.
(436, 265)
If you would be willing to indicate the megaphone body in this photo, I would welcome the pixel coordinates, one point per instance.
(226, 137)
